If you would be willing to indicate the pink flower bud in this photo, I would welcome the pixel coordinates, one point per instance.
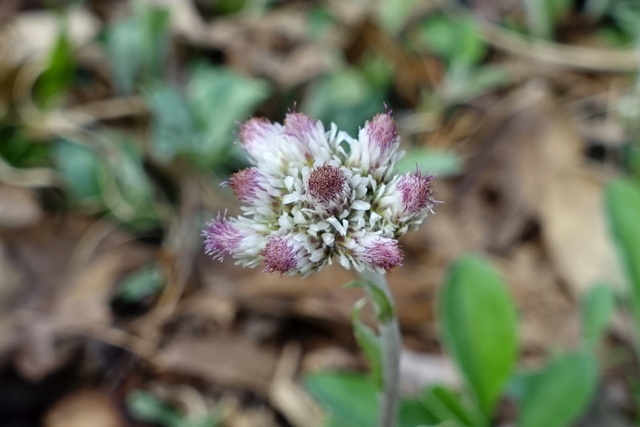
(383, 133)
(257, 136)
(246, 185)
(299, 126)
(327, 184)
(376, 148)
(378, 252)
(280, 255)
(221, 237)
(414, 193)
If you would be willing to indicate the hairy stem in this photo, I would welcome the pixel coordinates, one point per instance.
(391, 344)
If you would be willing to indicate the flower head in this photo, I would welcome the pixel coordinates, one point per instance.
(314, 194)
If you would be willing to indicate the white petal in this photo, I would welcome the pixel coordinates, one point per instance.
(360, 205)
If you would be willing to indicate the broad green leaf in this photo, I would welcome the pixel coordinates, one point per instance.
(346, 98)
(154, 42)
(369, 343)
(381, 302)
(413, 412)
(123, 48)
(173, 125)
(478, 325)
(137, 47)
(145, 407)
(597, 308)
(130, 181)
(623, 211)
(447, 406)
(219, 99)
(463, 83)
(441, 163)
(59, 72)
(393, 14)
(350, 398)
(141, 283)
(560, 393)
(455, 39)
(81, 168)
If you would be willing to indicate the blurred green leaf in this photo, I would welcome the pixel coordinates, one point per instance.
(447, 406)
(393, 14)
(455, 39)
(145, 407)
(220, 98)
(154, 43)
(81, 168)
(173, 124)
(413, 412)
(141, 284)
(622, 199)
(131, 180)
(381, 302)
(20, 151)
(627, 16)
(560, 393)
(351, 398)
(124, 54)
(319, 21)
(369, 343)
(59, 71)
(478, 323)
(137, 46)
(463, 84)
(345, 98)
(441, 163)
(597, 307)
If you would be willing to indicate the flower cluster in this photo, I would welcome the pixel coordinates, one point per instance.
(314, 194)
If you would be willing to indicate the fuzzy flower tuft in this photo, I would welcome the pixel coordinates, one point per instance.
(314, 194)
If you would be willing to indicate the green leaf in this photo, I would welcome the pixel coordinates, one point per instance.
(351, 398)
(369, 342)
(413, 412)
(123, 49)
(560, 393)
(346, 98)
(478, 323)
(141, 283)
(457, 40)
(447, 406)
(597, 308)
(81, 168)
(131, 181)
(393, 14)
(622, 200)
(441, 163)
(154, 42)
(145, 407)
(59, 72)
(381, 302)
(173, 124)
(219, 99)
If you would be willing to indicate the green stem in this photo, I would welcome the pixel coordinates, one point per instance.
(391, 344)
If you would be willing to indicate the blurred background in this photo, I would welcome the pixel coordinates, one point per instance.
(117, 125)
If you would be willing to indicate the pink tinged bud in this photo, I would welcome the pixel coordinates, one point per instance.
(327, 184)
(299, 126)
(246, 184)
(221, 237)
(379, 252)
(280, 255)
(256, 135)
(415, 190)
(383, 134)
